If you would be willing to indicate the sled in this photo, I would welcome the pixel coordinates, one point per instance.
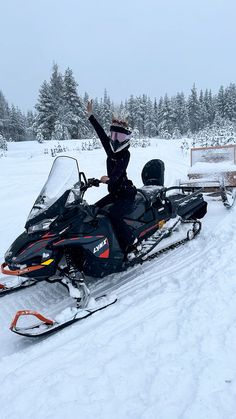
(213, 170)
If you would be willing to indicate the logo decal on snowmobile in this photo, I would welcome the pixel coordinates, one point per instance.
(99, 246)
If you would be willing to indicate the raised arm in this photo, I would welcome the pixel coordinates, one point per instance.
(98, 128)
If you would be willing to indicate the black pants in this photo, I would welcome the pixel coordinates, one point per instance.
(120, 207)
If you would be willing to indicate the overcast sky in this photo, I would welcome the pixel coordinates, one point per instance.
(127, 46)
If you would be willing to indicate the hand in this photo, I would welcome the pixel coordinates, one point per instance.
(90, 107)
(104, 179)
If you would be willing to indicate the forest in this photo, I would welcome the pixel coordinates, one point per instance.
(60, 113)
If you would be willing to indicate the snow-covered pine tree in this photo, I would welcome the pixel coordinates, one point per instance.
(74, 106)
(57, 134)
(155, 116)
(17, 124)
(180, 115)
(221, 102)
(230, 108)
(166, 118)
(4, 116)
(45, 117)
(194, 112)
(30, 131)
(130, 107)
(39, 135)
(150, 127)
(50, 103)
(3, 143)
(107, 110)
(141, 105)
(203, 114)
(210, 105)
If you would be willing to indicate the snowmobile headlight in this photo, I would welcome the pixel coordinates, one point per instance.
(43, 225)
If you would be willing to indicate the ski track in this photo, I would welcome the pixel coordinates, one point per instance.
(163, 350)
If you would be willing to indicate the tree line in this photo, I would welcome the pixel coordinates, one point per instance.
(60, 112)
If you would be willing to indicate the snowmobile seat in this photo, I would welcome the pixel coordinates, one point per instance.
(149, 194)
(145, 197)
(141, 203)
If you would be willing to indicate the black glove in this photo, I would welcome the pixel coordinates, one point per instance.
(93, 182)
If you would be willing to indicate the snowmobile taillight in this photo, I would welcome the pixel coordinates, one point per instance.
(29, 313)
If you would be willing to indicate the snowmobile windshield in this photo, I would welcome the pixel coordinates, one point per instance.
(61, 189)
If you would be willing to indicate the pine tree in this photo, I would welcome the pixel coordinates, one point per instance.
(155, 116)
(210, 105)
(221, 102)
(4, 116)
(50, 103)
(194, 111)
(130, 109)
(39, 136)
(45, 111)
(230, 108)
(166, 119)
(3, 143)
(140, 115)
(106, 111)
(74, 108)
(203, 111)
(150, 127)
(57, 134)
(17, 124)
(180, 114)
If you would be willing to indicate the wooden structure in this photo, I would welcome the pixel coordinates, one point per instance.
(213, 169)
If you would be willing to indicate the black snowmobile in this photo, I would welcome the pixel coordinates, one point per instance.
(66, 240)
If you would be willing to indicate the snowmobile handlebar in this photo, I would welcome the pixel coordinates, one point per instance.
(90, 182)
(93, 182)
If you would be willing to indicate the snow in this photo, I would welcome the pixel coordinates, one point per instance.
(165, 350)
(222, 167)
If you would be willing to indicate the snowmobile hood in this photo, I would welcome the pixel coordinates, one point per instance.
(60, 190)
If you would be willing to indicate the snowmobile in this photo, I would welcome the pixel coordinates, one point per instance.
(66, 240)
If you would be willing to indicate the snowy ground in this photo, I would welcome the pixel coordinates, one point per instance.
(165, 350)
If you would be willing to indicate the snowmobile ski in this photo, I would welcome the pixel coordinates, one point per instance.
(10, 285)
(68, 316)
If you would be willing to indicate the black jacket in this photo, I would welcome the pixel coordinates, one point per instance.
(118, 184)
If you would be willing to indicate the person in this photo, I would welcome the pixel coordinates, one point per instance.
(121, 190)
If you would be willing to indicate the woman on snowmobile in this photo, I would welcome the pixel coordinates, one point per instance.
(121, 190)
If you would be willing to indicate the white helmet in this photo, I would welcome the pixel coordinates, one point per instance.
(120, 135)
